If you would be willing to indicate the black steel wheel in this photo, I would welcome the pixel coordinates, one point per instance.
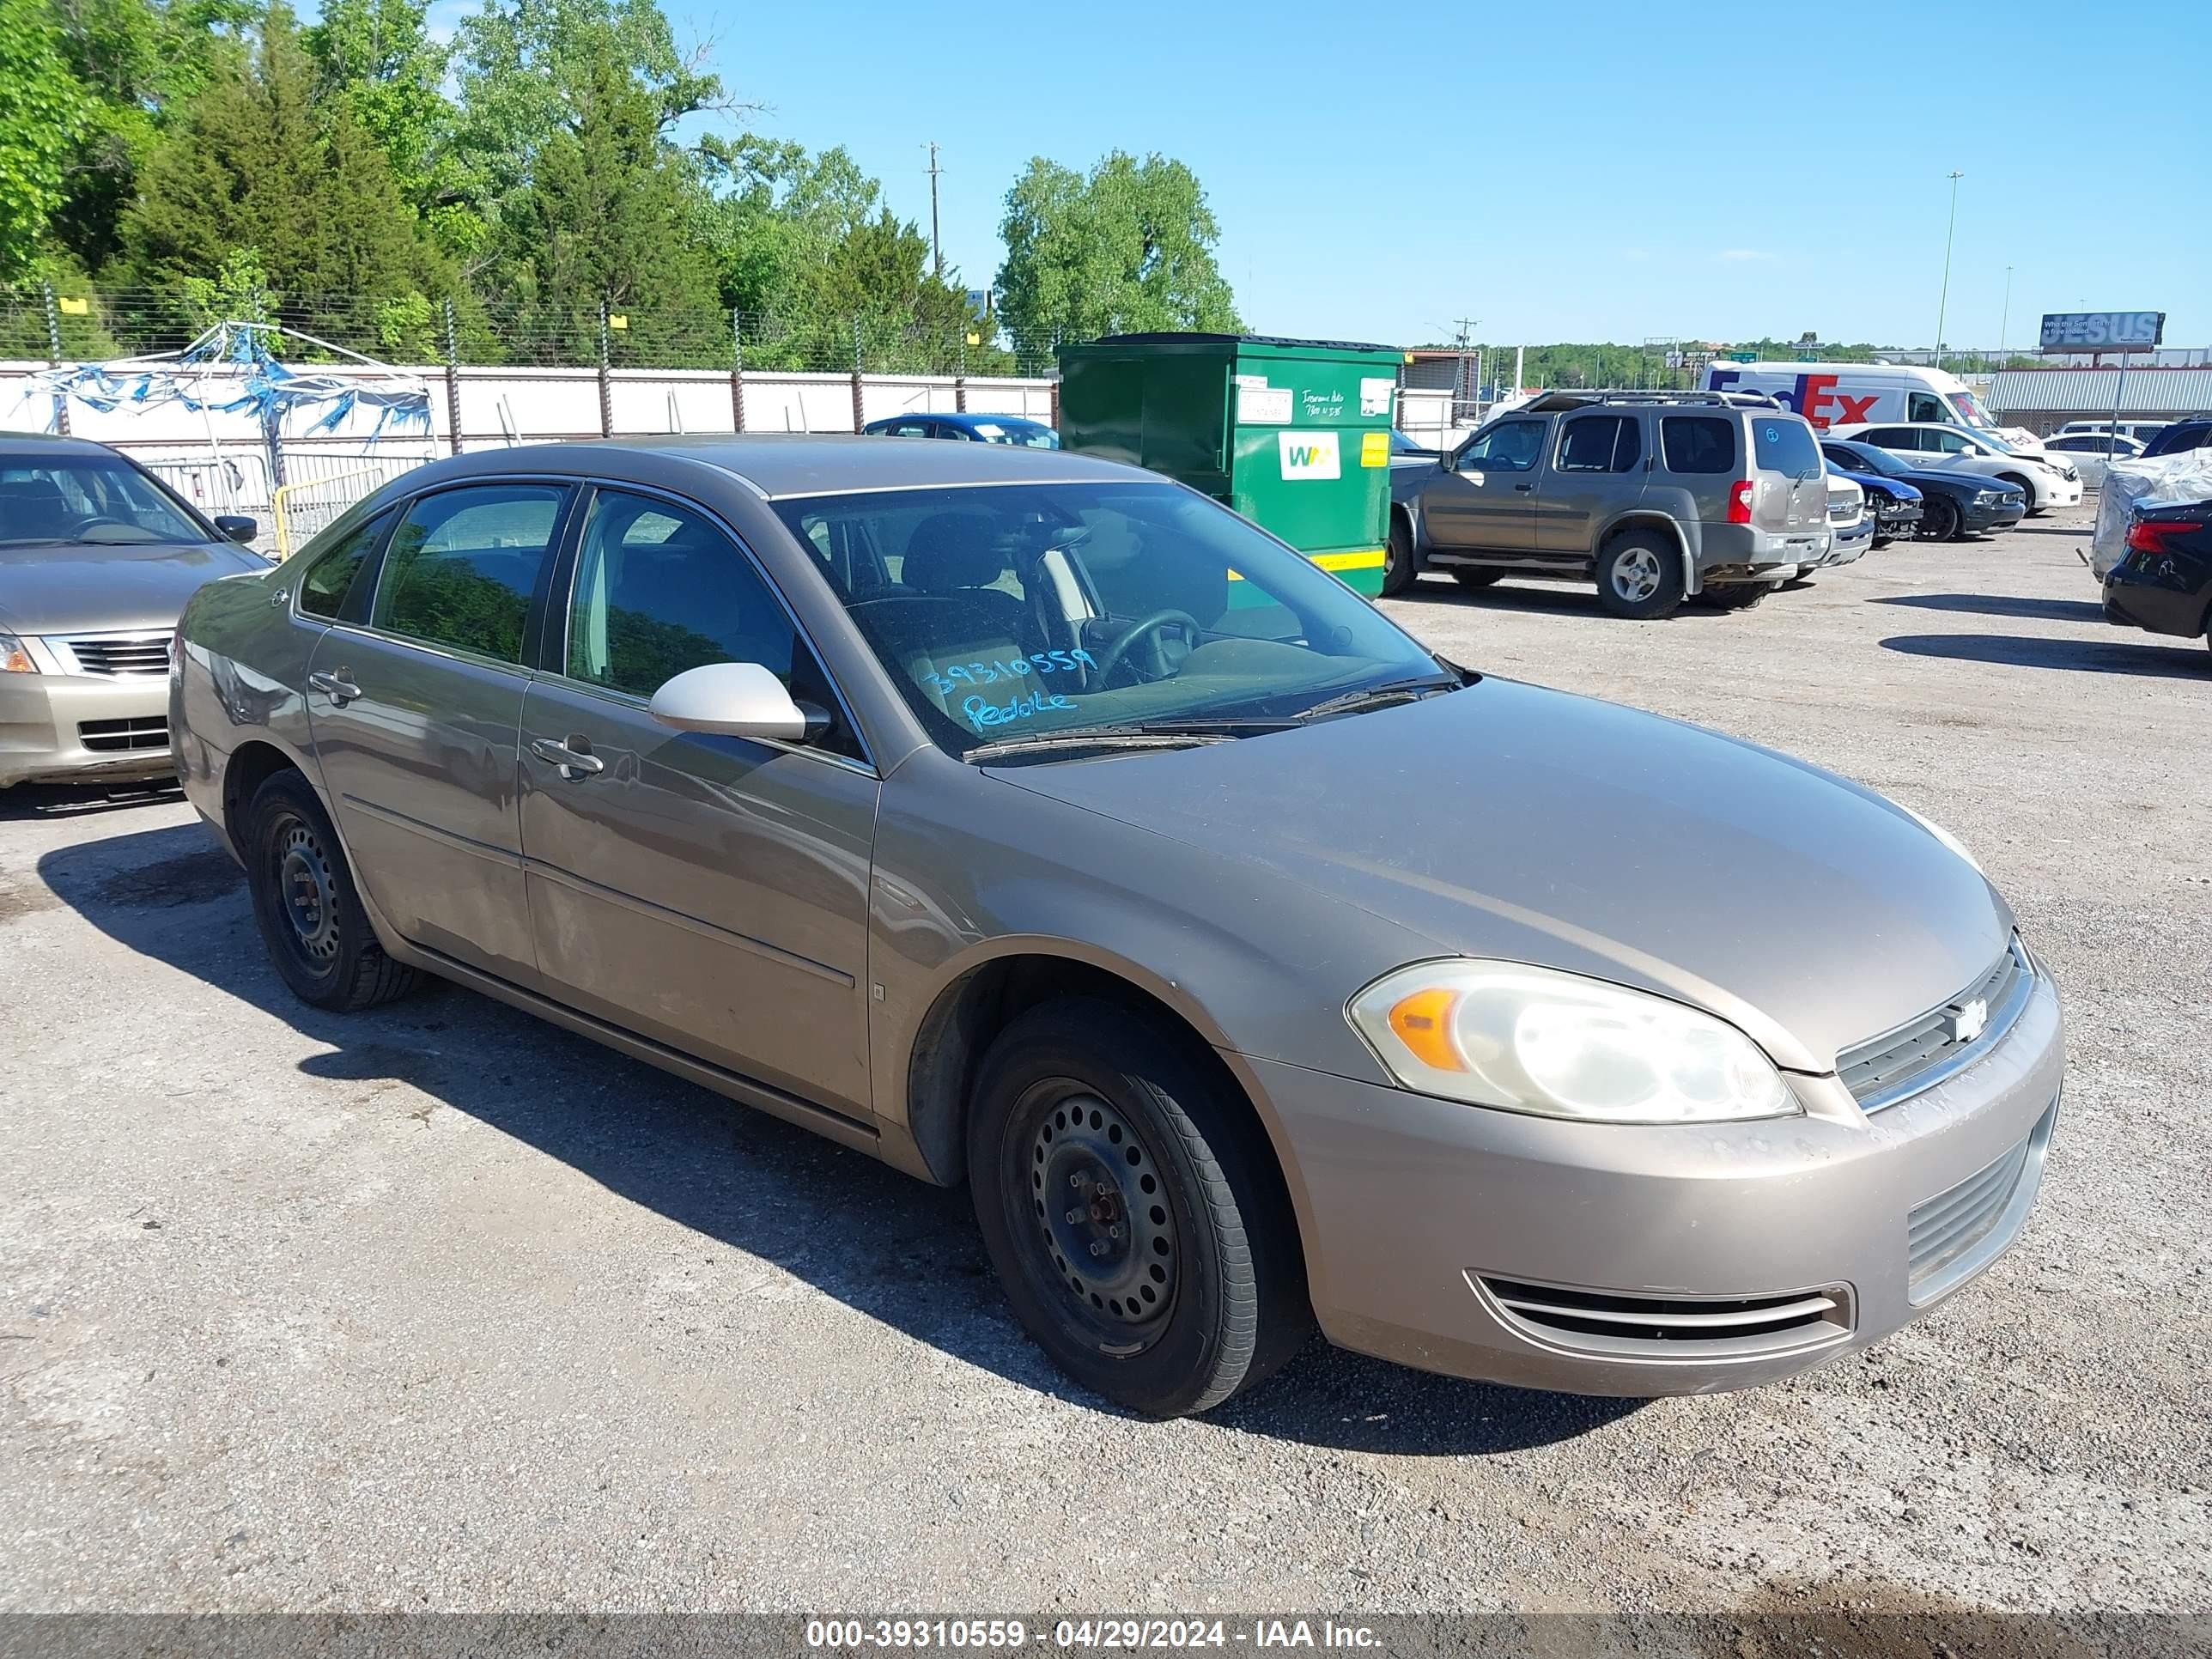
(1401, 560)
(1132, 1207)
(306, 905)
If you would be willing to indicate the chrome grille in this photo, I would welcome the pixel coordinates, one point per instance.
(1883, 1070)
(1632, 1326)
(121, 654)
(1842, 512)
(138, 731)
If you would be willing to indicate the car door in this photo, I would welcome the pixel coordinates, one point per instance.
(1594, 470)
(1487, 501)
(708, 892)
(415, 716)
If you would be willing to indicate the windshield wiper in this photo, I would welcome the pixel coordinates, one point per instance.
(1379, 696)
(1154, 734)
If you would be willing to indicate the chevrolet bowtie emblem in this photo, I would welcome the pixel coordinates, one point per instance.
(1966, 1023)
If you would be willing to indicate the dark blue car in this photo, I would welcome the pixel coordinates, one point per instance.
(1891, 503)
(1015, 429)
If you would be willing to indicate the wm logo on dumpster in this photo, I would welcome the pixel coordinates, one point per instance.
(1309, 455)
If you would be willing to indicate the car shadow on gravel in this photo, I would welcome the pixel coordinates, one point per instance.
(2001, 604)
(2080, 656)
(895, 1249)
(31, 801)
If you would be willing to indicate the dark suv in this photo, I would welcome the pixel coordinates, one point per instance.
(1653, 496)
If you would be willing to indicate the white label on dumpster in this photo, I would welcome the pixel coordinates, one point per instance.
(1309, 455)
(1263, 405)
(1252, 380)
(1375, 395)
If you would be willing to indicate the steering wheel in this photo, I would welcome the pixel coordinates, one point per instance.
(1138, 630)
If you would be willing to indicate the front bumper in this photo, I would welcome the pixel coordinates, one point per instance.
(2062, 492)
(1846, 545)
(2000, 517)
(1427, 1222)
(82, 728)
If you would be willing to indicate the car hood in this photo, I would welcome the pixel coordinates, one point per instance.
(1896, 487)
(1510, 820)
(80, 589)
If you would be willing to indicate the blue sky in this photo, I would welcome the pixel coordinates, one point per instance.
(1561, 171)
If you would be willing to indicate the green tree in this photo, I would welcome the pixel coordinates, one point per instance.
(376, 58)
(607, 217)
(1130, 248)
(43, 109)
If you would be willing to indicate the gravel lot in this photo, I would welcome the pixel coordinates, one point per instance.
(439, 1306)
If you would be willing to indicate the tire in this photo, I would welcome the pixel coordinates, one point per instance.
(1940, 521)
(1639, 577)
(1083, 1095)
(1401, 561)
(306, 906)
(1737, 596)
(2034, 506)
(1475, 581)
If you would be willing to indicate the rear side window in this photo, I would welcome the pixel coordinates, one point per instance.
(1600, 443)
(324, 592)
(1698, 443)
(463, 565)
(1784, 445)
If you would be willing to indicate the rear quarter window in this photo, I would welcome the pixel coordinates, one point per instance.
(1698, 443)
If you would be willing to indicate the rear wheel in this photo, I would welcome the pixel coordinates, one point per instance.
(1402, 562)
(306, 907)
(1639, 577)
(1476, 580)
(1939, 520)
(1133, 1212)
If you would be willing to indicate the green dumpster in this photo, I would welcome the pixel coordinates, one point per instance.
(1295, 435)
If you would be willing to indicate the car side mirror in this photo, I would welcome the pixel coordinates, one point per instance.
(238, 528)
(736, 700)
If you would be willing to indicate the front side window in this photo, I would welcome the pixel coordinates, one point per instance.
(1925, 406)
(1001, 611)
(1697, 443)
(322, 591)
(1949, 443)
(464, 563)
(89, 501)
(1509, 446)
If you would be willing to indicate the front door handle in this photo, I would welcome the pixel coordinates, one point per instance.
(1524, 486)
(338, 688)
(576, 764)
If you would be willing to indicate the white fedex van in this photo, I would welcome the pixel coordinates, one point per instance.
(1855, 394)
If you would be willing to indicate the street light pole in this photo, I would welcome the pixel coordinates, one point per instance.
(2004, 318)
(1943, 305)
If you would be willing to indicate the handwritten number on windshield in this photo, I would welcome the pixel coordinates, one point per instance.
(990, 673)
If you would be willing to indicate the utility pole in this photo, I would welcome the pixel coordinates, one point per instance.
(1465, 394)
(1943, 304)
(936, 249)
(54, 355)
(2004, 318)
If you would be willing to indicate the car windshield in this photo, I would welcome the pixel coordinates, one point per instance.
(1011, 429)
(1865, 457)
(86, 500)
(1008, 611)
(1970, 408)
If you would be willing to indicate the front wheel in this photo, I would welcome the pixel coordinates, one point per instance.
(1940, 521)
(1132, 1211)
(1402, 562)
(1639, 577)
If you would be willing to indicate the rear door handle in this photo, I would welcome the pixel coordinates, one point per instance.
(1524, 486)
(576, 764)
(337, 687)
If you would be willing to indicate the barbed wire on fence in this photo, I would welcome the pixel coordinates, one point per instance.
(102, 324)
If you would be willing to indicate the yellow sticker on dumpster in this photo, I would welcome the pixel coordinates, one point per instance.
(1374, 449)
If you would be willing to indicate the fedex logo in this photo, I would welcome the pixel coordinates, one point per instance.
(1814, 396)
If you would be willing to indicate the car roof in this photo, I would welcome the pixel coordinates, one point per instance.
(775, 464)
(45, 446)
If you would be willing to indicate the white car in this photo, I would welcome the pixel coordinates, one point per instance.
(2092, 452)
(1851, 526)
(2142, 431)
(2047, 481)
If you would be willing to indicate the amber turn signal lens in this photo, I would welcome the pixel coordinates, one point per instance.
(1423, 1023)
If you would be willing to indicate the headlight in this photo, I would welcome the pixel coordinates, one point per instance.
(1988, 497)
(1943, 835)
(14, 659)
(1536, 1040)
